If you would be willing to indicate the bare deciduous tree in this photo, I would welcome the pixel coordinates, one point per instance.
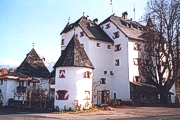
(161, 55)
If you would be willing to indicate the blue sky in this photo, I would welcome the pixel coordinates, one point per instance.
(23, 22)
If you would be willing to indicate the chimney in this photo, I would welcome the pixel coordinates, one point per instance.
(95, 21)
(125, 15)
(87, 17)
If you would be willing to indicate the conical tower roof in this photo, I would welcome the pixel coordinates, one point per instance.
(74, 55)
(149, 23)
(33, 66)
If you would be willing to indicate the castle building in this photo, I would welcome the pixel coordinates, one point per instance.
(113, 48)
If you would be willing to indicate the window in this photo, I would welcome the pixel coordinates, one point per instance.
(114, 95)
(108, 25)
(81, 34)
(62, 42)
(98, 45)
(108, 46)
(117, 62)
(62, 52)
(87, 74)
(116, 35)
(137, 61)
(137, 46)
(146, 48)
(87, 95)
(1, 82)
(103, 81)
(105, 72)
(136, 79)
(61, 73)
(117, 47)
(82, 45)
(62, 95)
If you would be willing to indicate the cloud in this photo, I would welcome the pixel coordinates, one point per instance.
(10, 62)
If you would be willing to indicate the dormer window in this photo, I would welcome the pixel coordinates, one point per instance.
(81, 34)
(62, 42)
(117, 47)
(141, 28)
(108, 46)
(116, 35)
(129, 25)
(117, 62)
(137, 46)
(108, 25)
(98, 45)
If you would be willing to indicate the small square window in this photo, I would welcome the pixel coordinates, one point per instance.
(117, 47)
(82, 45)
(117, 62)
(116, 35)
(136, 79)
(105, 72)
(87, 95)
(1, 82)
(108, 25)
(87, 74)
(98, 45)
(62, 42)
(137, 46)
(81, 34)
(61, 73)
(62, 95)
(108, 46)
(137, 61)
(103, 80)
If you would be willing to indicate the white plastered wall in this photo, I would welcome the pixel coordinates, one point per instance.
(76, 85)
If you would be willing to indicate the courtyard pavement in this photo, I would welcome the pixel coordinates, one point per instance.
(122, 113)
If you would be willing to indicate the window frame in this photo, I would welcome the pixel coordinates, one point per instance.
(103, 81)
(137, 46)
(117, 48)
(116, 35)
(62, 42)
(117, 62)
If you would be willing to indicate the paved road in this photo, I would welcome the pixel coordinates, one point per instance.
(126, 113)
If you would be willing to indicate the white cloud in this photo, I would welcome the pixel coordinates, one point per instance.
(10, 62)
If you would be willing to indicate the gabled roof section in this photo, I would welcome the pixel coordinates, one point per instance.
(74, 55)
(131, 29)
(33, 66)
(91, 29)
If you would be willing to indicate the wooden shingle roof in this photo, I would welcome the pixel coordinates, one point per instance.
(74, 55)
(91, 29)
(33, 66)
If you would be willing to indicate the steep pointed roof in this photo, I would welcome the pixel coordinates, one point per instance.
(74, 55)
(91, 29)
(33, 66)
(149, 23)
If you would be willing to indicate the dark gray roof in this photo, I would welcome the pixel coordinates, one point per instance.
(91, 29)
(33, 66)
(131, 29)
(74, 55)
